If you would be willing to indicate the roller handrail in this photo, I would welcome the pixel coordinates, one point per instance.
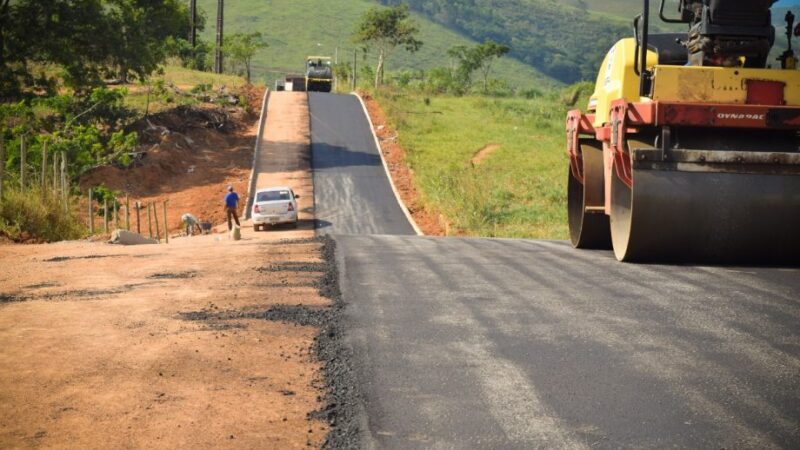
(665, 18)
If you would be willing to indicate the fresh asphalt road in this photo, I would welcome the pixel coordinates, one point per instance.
(352, 194)
(492, 343)
(481, 343)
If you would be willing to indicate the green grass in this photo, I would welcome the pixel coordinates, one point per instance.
(295, 29)
(184, 79)
(187, 77)
(33, 215)
(519, 191)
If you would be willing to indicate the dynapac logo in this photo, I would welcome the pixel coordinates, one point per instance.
(739, 116)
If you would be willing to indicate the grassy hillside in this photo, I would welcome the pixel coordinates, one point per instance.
(163, 95)
(298, 28)
(620, 8)
(518, 190)
(563, 41)
(625, 8)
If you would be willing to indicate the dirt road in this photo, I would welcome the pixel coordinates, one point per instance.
(164, 346)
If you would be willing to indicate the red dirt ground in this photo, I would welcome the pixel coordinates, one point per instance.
(161, 346)
(190, 167)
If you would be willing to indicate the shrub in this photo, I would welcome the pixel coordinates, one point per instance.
(34, 215)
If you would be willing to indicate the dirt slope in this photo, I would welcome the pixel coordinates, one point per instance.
(192, 155)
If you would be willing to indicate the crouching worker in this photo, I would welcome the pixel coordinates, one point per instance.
(191, 223)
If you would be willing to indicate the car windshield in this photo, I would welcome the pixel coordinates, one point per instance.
(272, 196)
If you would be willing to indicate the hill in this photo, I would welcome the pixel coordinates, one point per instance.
(550, 40)
(563, 41)
(295, 29)
(624, 8)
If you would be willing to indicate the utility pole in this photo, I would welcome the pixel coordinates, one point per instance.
(333, 69)
(193, 29)
(355, 59)
(218, 54)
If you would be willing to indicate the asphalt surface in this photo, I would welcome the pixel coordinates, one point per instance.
(492, 343)
(352, 194)
(478, 343)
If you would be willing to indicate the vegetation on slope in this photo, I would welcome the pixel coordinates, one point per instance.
(518, 190)
(179, 86)
(564, 42)
(66, 105)
(295, 29)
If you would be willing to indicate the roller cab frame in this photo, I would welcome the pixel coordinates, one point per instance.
(319, 74)
(681, 160)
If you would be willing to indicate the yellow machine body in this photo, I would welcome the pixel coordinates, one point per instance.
(679, 84)
(617, 79)
(696, 169)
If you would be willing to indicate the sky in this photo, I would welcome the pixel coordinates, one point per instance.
(788, 3)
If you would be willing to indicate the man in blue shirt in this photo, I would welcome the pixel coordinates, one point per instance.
(231, 207)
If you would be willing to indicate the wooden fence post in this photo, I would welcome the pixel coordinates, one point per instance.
(166, 226)
(155, 219)
(138, 206)
(2, 163)
(64, 182)
(55, 174)
(149, 221)
(127, 213)
(105, 215)
(91, 212)
(44, 168)
(23, 161)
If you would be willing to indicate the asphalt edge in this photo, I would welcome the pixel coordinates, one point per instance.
(344, 402)
(386, 168)
(366, 440)
(262, 123)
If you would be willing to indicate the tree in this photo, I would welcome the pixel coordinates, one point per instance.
(73, 35)
(385, 29)
(141, 28)
(484, 55)
(87, 39)
(240, 48)
(465, 64)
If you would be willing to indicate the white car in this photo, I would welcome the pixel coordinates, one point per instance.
(273, 206)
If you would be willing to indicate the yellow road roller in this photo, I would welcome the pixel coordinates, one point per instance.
(319, 74)
(689, 150)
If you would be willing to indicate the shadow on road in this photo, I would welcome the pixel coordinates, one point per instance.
(327, 156)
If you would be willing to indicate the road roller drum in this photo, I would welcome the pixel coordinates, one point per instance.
(690, 152)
